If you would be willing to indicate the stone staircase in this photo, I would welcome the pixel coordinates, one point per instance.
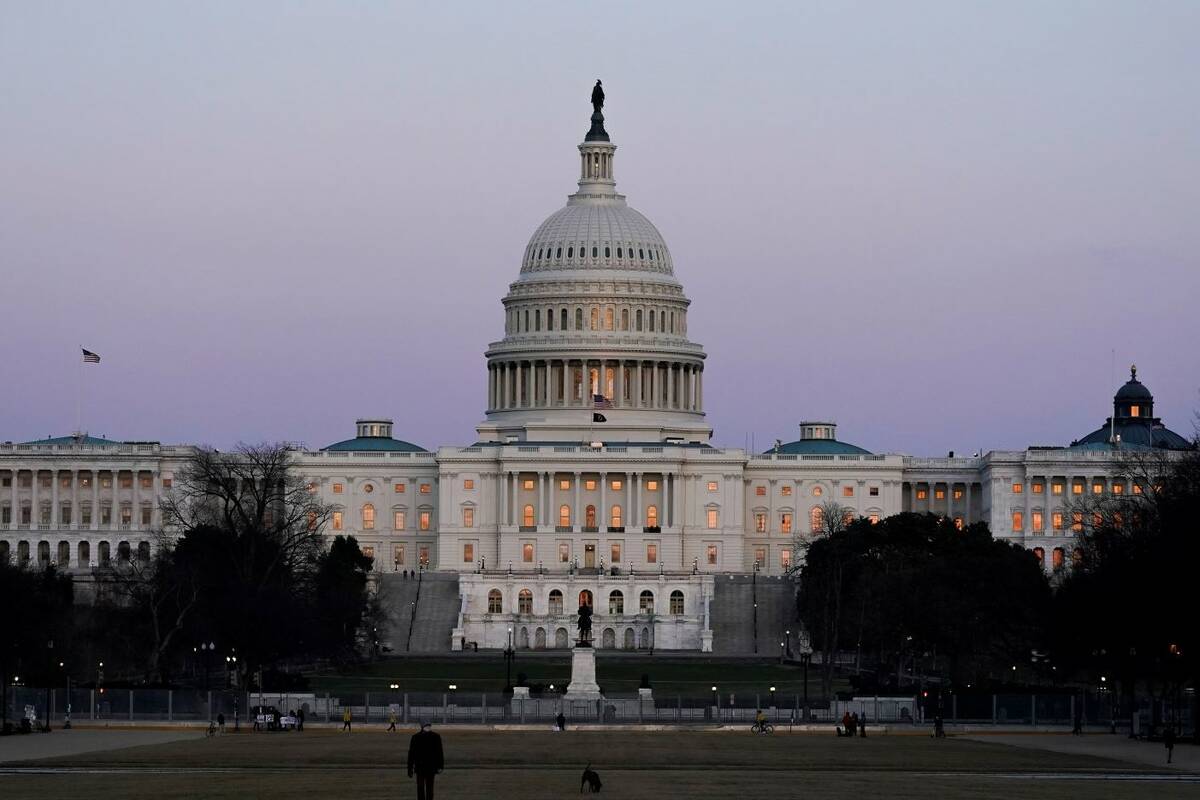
(732, 614)
(434, 596)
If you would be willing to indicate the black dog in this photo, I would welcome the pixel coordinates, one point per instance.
(590, 780)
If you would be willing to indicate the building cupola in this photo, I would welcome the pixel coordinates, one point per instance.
(1133, 400)
(374, 428)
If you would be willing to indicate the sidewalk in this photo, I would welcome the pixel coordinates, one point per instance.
(1105, 745)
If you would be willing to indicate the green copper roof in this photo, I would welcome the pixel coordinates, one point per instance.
(375, 444)
(820, 447)
(69, 440)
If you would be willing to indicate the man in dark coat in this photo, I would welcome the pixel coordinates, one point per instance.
(425, 759)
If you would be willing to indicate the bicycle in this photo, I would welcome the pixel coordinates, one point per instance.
(762, 728)
(212, 730)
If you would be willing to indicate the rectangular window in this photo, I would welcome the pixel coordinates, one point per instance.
(785, 522)
(424, 520)
(712, 486)
(423, 555)
(939, 494)
(1077, 522)
(426, 488)
(1018, 488)
(147, 481)
(1039, 488)
(398, 488)
(126, 479)
(468, 517)
(1137, 488)
(64, 514)
(105, 482)
(712, 519)
(1098, 487)
(527, 552)
(65, 482)
(468, 485)
(369, 552)
(564, 484)
(589, 485)
(760, 523)
(847, 491)
(146, 515)
(398, 555)
(616, 553)
(616, 484)
(167, 483)
(874, 519)
(398, 520)
(337, 488)
(1118, 488)
(105, 515)
(527, 485)
(1018, 521)
(1038, 523)
(468, 553)
(785, 559)
(922, 494)
(1056, 520)
(652, 486)
(760, 491)
(1077, 487)
(651, 553)
(958, 523)
(711, 554)
(760, 557)
(958, 493)
(564, 553)
(1056, 488)
(85, 515)
(6, 515)
(873, 491)
(337, 520)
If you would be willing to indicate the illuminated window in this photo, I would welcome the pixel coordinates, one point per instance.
(847, 517)
(786, 491)
(958, 493)
(1137, 488)
(1118, 488)
(785, 522)
(126, 481)
(922, 494)
(1056, 488)
(426, 488)
(369, 552)
(712, 486)
(760, 491)
(616, 484)
(760, 556)
(1056, 520)
(468, 553)
(468, 484)
(1018, 488)
(368, 517)
(468, 517)
(1056, 558)
(398, 555)
(616, 602)
(595, 318)
(1038, 523)
(847, 491)
(815, 517)
(615, 517)
(337, 488)
(527, 516)
(874, 491)
(423, 555)
(1040, 555)
(368, 488)
(312, 487)
(615, 552)
(785, 559)
(760, 523)
(1038, 488)
(564, 516)
(939, 494)
(1077, 522)
(711, 554)
(424, 520)
(874, 519)
(1135, 411)
(677, 601)
(713, 518)
(652, 516)
(651, 553)
(817, 491)
(608, 319)
(495, 602)
(589, 485)
(1098, 487)
(556, 601)
(1077, 487)
(652, 486)
(105, 481)
(524, 602)
(527, 552)
(398, 488)
(564, 484)
(337, 520)
(1018, 521)
(398, 520)
(527, 484)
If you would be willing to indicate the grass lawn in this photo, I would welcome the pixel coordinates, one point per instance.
(476, 673)
(542, 764)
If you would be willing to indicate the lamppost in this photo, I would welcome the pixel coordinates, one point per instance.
(787, 638)
(716, 701)
(805, 658)
(67, 717)
(754, 597)
(206, 651)
(782, 645)
(49, 661)
(509, 655)
(772, 697)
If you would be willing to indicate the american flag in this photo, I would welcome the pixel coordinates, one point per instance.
(89, 357)
(600, 401)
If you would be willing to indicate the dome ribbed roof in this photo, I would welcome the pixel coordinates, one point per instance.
(597, 234)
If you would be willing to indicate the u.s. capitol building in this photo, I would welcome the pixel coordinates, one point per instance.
(592, 475)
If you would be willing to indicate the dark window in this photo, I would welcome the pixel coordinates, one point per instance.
(539, 254)
(570, 252)
(607, 252)
(558, 253)
(618, 252)
(595, 251)
(563, 326)
(641, 253)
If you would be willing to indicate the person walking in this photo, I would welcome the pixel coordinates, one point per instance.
(300, 719)
(1169, 741)
(221, 723)
(346, 719)
(391, 720)
(425, 759)
(560, 722)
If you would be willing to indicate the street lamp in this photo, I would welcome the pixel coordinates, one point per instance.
(49, 660)
(509, 655)
(772, 697)
(782, 650)
(206, 651)
(805, 658)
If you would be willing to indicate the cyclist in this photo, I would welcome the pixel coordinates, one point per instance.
(760, 722)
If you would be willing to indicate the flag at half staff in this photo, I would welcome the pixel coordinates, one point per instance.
(89, 357)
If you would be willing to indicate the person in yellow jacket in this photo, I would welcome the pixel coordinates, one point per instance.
(391, 719)
(346, 719)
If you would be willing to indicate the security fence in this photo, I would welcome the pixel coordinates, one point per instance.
(369, 708)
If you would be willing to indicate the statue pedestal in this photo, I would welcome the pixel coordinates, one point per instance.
(583, 684)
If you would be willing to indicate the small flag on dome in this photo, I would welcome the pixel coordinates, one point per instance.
(89, 357)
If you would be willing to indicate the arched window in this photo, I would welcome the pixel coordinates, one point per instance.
(368, 517)
(815, 518)
(595, 251)
(638, 319)
(84, 554)
(615, 517)
(608, 318)
(624, 319)
(585, 598)
(563, 320)
(495, 602)
(570, 252)
(595, 318)
(537, 320)
(525, 602)
(556, 601)
(579, 319)
(527, 516)
(527, 552)
(123, 552)
(619, 251)
(652, 516)
(616, 602)
(590, 516)
(1056, 558)
(64, 554)
(607, 251)
(558, 252)
(652, 320)
(105, 553)
(646, 602)
(549, 319)
(143, 552)
(641, 253)
(1040, 554)
(564, 516)
(676, 602)
(526, 328)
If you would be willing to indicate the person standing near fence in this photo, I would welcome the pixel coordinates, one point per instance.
(391, 720)
(425, 759)
(1169, 741)
(346, 719)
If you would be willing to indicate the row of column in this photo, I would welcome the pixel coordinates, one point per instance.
(571, 384)
(596, 165)
(630, 497)
(35, 499)
(930, 498)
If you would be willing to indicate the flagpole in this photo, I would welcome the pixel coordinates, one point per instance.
(79, 392)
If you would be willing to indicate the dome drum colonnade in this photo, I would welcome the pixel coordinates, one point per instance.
(625, 383)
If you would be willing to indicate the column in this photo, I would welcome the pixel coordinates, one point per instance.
(576, 520)
(700, 392)
(513, 508)
(16, 509)
(519, 385)
(652, 374)
(634, 503)
(502, 480)
(531, 385)
(95, 499)
(566, 374)
(602, 512)
(34, 517)
(550, 515)
(54, 520)
(967, 497)
(619, 383)
(539, 518)
(950, 500)
(637, 384)
(135, 517)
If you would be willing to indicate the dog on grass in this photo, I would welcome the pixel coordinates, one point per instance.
(590, 780)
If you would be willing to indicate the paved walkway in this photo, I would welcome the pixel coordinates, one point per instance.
(21, 747)
(1106, 745)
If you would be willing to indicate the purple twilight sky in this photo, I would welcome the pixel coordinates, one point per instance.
(932, 222)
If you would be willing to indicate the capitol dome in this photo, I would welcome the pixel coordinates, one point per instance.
(595, 343)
